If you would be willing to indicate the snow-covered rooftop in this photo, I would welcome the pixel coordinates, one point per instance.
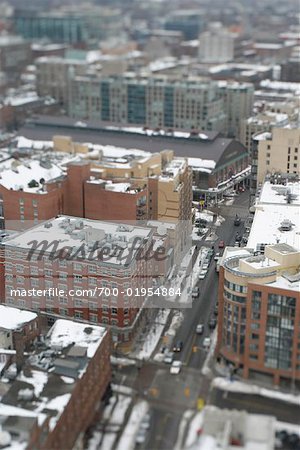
(44, 386)
(21, 175)
(14, 318)
(84, 234)
(271, 211)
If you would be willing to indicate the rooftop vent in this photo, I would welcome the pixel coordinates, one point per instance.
(48, 225)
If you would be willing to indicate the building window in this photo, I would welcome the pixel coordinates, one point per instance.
(77, 266)
(114, 311)
(78, 315)
(77, 278)
(63, 311)
(93, 318)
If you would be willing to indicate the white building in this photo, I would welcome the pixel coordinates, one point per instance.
(216, 44)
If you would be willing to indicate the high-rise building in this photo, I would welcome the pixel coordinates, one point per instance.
(216, 45)
(15, 54)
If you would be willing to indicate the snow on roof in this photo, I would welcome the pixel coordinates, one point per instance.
(198, 163)
(276, 194)
(22, 175)
(66, 332)
(62, 230)
(280, 85)
(14, 318)
(271, 210)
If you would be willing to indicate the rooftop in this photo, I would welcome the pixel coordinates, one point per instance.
(14, 318)
(44, 386)
(114, 243)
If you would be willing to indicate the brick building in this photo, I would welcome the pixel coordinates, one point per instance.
(52, 399)
(99, 282)
(13, 322)
(259, 296)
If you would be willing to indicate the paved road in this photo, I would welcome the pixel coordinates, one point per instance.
(168, 395)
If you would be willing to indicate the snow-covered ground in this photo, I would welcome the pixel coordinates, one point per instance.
(105, 436)
(152, 338)
(127, 440)
(247, 388)
(194, 426)
(117, 361)
(205, 368)
(170, 333)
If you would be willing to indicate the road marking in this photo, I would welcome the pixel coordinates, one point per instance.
(191, 350)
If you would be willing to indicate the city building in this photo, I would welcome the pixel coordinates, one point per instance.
(242, 72)
(216, 45)
(262, 122)
(92, 271)
(227, 429)
(15, 54)
(276, 152)
(259, 296)
(17, 327)
(65, 177)
(54, 392)
(78, 26)
(155, 102)
(188, 21)
(290, 70)
(238, 104)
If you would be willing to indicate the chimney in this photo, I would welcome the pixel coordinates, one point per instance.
(19, 347)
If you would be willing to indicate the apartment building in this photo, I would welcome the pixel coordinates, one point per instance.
(259, 296)
(57, 390)
(115, 261)
(155, 102)
(17, 325)
(275, 152)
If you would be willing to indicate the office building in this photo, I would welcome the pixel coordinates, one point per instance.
(15, 54)
(259, 296)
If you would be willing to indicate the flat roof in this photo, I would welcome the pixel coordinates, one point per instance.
(14, 318)
(211, 148)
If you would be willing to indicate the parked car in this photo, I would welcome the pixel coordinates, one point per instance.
(169, 356)
(195, 292)
(141, 435)
(200, 328)
(216, 310)
(221, 244)
(205, 265)
(237, 221)
(178, 346)
(202, 274)
(212, 323)
(217, 256)
(206, 342)
(175, 367)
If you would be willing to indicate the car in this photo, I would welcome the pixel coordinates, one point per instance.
(200, 328)
(212, 323)
(206, 342)
(80, 124)
(237, 221)
(177, 347)
(169, 356)
(145, 423)
(216, 310)
(221, 244)
(195, 292)
(217, 256)
(202, 274)
(163, 349)
(205, 265)
(175, 367)
(237, 244)
(141, 435)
